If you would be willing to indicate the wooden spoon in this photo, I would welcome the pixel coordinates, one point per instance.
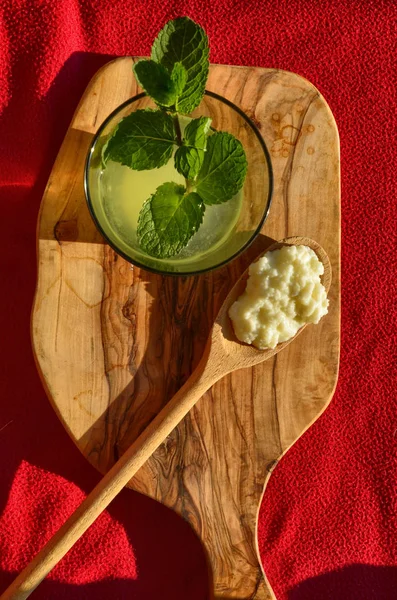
(223, 354)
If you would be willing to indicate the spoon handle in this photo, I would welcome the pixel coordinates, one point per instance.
(113, 482)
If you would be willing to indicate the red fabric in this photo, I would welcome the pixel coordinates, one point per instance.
(328, 520)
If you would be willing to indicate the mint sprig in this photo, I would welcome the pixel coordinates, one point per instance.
(213, 163)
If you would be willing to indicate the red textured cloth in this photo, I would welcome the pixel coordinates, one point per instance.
(328, 521)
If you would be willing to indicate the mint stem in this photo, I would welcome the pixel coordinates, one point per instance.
(178, 130)
(177, 125)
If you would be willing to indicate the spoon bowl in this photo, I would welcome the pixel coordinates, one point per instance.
(235, 354)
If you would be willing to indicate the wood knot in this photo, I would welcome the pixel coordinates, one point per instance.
(66, 231)
(128, 311)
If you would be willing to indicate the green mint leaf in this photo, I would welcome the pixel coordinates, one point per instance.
(182, 40)
(189, 157)
(224, 169)
(143, 140)
(196, 133)
(168, 220)
(188, 161)
(179, 77)
(156, 81)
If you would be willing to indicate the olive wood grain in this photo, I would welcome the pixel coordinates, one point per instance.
(223, 354)
(114, 343)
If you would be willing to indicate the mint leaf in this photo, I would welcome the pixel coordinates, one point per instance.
(143, 140)
(182, 40)
(224, 169)
(196, 132)
(188, 161)
(156, 81)
(168, 220)
(179, 77)
(189, 157)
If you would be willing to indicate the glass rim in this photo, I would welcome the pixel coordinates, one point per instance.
(141, 265)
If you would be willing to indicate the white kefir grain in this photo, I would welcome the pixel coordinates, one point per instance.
(283, 293)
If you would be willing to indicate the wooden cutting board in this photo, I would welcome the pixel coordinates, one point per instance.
(113, 343)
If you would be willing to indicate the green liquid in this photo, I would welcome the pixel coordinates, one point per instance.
(123, 192)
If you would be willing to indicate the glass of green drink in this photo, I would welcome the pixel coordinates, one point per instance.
(116, 194)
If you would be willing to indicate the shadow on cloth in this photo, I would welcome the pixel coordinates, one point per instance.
(117, 589)
(353, 582)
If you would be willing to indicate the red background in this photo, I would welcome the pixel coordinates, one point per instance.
(329, 515)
